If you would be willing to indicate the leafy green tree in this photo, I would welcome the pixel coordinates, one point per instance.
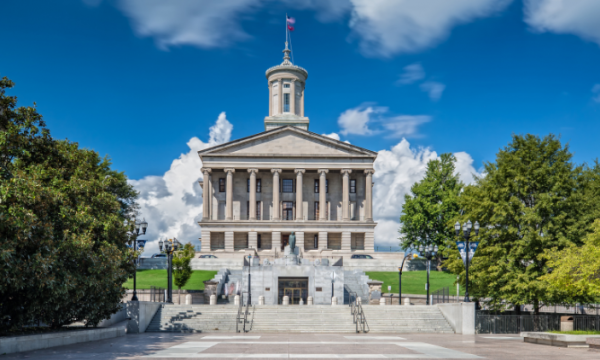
(575, 274)
(433, 203)
(530, 201)
(63, 254)
(182, 270)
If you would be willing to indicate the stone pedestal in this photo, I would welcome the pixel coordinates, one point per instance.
(309, 300)
(334, 300)
(213, 299)
(406, 301)
(236, 300)
(210, 288)
(359, 300)
(286, 300)
(188, 299)
(382, 301)
(301, 302)
(261, 300)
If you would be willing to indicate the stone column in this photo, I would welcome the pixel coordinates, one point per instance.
(322, 194)
(369, 195)
(276, 173)
(346, 194)
(302, 101)
(206, 193)
(229, 195)
(299, 205)
(252, 201)
(293, 97)
(280, 100)
(270, 98)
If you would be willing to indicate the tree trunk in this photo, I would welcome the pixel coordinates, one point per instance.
(439, 260)
(179, 296)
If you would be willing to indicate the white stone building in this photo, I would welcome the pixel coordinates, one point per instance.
(259, 189)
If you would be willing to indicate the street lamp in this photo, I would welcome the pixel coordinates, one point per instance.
(134, 234)
(332, 281)
(249, 280)
(428, 252)
(171, 246)
(466, 228)
(400, 276)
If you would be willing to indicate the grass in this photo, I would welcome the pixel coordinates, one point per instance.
(147, 278)
(576, 332)
(413, 282)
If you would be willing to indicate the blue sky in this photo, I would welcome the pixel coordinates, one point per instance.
(137, 79)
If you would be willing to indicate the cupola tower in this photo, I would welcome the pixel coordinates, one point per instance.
(286, 83)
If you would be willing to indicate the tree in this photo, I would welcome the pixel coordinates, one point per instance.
(63, 253)
(433, 203)
(530, 201)
(575, 274)
(182, 270)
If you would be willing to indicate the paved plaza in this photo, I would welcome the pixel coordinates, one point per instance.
(307, 346)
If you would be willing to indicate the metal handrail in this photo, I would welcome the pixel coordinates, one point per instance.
(246, 315)
(363, 319)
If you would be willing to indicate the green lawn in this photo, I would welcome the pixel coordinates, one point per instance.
(413, 282)
(576, 332)
(147, 278)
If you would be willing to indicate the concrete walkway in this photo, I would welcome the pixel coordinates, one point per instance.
(307, 346)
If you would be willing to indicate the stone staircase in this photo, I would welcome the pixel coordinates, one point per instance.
(301, 318)
(406, 319)
(194, 318)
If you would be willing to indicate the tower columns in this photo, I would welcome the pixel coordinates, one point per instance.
(293, 97)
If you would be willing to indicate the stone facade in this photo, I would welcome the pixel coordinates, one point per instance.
(259, 189)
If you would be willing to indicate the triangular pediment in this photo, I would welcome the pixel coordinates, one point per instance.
(289, 141)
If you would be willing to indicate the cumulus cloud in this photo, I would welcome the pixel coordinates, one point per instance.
(596, 93)
(206, 24)
(433, 89)
(388, 27)
(396, 170)
(413, 72)
(172, 203)
(578, 17)
(333, 136)
(370, 120)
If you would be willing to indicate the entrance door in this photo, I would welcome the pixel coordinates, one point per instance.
(285, 240)
(294, 288)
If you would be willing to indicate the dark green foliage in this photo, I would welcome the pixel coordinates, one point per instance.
(531, 200)
(63, 254)
(427, 213)
(182, 270)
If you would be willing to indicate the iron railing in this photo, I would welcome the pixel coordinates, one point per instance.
(586, 322)
(442, 296)
(157, 294)
(514, 324)
(358, 314)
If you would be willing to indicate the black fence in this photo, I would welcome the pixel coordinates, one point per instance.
(586, 322)
(157, 294)
(514, 324)
(442, 296)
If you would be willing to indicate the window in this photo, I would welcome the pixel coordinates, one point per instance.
(288, 210)
(352, 186)
(286, 102)
(287, 185)
(258, 241)
(258, 185)
(222, 185)
(316, 210)
(316, 241)
(326, 186)
(286, 86)
(258, 210)
(316, 186)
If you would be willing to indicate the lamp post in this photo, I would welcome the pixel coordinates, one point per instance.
(466, 235)
(249, 280)
(134, 233)
(400, 276)
(171, 246)
(332, 281)
(428, 252)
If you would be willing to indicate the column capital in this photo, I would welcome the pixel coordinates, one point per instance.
(206, 170)
(276, 171)
(252, 171)
(323, 171)
(370, 171)
(346, 171)
(229, 170)
(297, 171)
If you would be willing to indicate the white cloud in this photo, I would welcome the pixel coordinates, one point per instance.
(578, 17)
(172, 203)
(396, 170)
(333, 136)
(387, 27)
(434, 89)
(370, 120)
(596, 93)
(413, 72)
(206, 24)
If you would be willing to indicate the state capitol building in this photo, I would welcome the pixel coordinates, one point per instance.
(259, 189)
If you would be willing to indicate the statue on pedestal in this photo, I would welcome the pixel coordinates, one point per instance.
(292, 241)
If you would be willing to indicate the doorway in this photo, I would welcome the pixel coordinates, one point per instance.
(295, 288)
(285, 240)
